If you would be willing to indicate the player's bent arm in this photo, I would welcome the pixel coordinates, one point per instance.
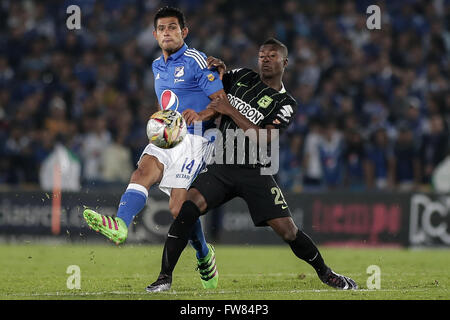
(190, 116)
(210, 113)
(219, 94)
(249, 127)
(207, 114)
(223, 106)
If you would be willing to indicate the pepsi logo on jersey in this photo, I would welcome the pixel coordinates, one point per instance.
(169, 100)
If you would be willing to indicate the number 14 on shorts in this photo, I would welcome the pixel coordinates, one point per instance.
(189, 165)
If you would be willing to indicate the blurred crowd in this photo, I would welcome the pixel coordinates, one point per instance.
(374, 105)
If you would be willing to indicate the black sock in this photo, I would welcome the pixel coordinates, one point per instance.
(304, 248)
(178, 236)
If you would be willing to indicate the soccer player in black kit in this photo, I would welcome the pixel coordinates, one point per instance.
(256, 101)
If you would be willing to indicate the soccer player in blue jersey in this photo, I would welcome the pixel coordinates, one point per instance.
(184, 83)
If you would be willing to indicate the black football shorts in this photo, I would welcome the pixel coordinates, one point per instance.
(221, 183)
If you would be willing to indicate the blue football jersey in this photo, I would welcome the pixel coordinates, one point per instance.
(185, 82)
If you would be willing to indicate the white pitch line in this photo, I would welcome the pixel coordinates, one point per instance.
(295, 274)
(174, 292)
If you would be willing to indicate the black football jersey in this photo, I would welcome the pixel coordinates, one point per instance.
(259, 103)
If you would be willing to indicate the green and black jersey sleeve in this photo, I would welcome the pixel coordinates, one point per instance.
(259, 103)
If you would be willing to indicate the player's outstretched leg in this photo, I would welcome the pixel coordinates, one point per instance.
(113, 228)
(338, 281)
(116, 228)
(304, 248)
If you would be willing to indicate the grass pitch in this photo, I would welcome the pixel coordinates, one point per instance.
(29, 271)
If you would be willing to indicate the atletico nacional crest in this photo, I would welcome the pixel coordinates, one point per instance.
(169, 100)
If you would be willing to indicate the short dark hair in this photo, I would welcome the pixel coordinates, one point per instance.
(278, 44)
(170, 12)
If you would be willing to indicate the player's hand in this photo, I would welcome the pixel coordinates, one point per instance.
(221, 105)
(190, 116)
(218, 64)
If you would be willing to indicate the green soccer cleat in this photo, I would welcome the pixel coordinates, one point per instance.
(115, 229)
(206, 266)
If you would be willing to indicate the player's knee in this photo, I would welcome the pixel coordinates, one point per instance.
(141, 176)
(139, 173)
(284, 227)
(197, 198)
(289, 235)
(174, 208)
(287, 232)
(148, 172)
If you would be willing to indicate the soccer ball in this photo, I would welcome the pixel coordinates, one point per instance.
(166, 128)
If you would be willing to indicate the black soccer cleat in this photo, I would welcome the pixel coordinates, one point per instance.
(338, 281)
(163, 283)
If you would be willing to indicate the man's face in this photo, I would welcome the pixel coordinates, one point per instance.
(169, 34)
(271, 61)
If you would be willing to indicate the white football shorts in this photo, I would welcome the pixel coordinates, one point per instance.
(183, 162)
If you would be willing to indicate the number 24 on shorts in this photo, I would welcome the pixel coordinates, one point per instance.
(279, 199)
